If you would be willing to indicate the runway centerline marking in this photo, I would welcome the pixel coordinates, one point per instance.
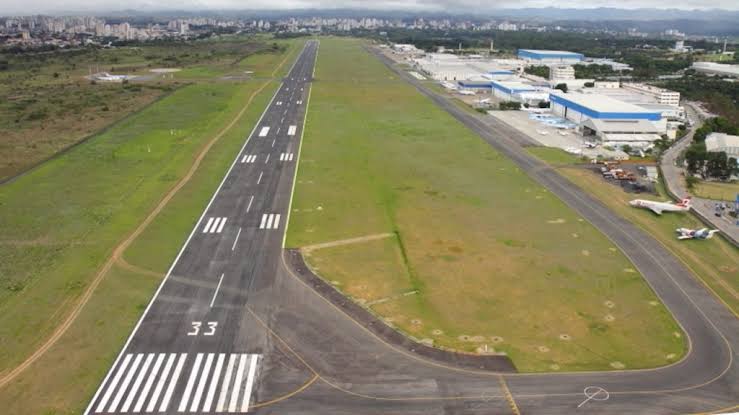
(215, 293)
(267, 159)
(236, 239)
(260, 177)
(248, 207)
(273, 142)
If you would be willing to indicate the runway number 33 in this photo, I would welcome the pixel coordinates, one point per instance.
(209, 330)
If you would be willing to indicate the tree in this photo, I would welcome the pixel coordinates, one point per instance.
(696, 157)
(589, 84)
(562, 87)
(626, 148)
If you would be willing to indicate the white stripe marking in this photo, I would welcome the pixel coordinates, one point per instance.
(291, 130)
(213, 383)
(207, 225)
(273, 142)
(278, 130)
(172, 383)
(118, 396)
(249, 383)
(121, 354)
(215, 225)
(220, 228)
(277, 221)
(270, 218)
(201, 384)
(264, 131)
(137, 383)
(264, 220)
(236, 239)
(226, 383)
(291, 156)
(243, 159)
(113, 383)
(149, 383)
(267, 159)
(249, 206)
(282, 120)
(237, 384)
(190, 382)
(282, 156)
(260, 177)
(218, 287)
(160, 384)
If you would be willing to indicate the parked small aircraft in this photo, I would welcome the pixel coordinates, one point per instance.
(685, 233)
(659, 207)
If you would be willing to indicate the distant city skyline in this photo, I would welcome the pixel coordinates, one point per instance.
(13, 7)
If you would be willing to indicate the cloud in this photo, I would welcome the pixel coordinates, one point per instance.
(44, 6)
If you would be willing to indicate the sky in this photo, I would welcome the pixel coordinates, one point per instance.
(46, 6)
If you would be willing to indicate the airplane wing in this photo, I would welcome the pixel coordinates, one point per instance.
(681, 237)
(656, 209)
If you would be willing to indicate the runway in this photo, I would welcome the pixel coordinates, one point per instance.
(233, 329)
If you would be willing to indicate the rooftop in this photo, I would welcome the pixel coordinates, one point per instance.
(721, 141)
(621, 126)
(601, 103)
(550, 52)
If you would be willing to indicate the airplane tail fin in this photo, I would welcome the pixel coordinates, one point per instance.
(685, 202)
(710, 233)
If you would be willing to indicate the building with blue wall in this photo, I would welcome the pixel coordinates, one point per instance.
(550, 56)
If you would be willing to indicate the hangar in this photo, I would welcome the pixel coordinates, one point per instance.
(550, 56)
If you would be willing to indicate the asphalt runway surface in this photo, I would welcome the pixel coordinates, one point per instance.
(233, 328)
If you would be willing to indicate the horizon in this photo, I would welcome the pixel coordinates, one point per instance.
(434, 7)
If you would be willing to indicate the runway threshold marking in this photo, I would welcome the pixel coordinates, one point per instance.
(286, 156)
(248, 158)
(203, 379)
(218, 287)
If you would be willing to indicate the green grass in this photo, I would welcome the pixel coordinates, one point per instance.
(716, 191)
(105, 187)
(480, 251)
(713, 261)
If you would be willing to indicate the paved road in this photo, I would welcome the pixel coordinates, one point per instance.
(281, 348)
(673, 176)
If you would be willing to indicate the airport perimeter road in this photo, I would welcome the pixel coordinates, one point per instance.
(234, 329)
(673, 176)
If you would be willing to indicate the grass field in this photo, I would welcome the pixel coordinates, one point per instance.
(47, 104)
(716, 191)
(63, 219)
(468, 253)
(713, 261)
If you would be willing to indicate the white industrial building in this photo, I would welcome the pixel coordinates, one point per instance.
(550, 56)
(519, 92)
(636, 133)
(407, 49)
(561, 72)
(713, 68)
(448, 67)
(661, 95)
(718, 142)
(614, 121)
(616, 66)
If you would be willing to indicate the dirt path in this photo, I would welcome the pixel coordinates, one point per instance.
(309, 248)
(121, 247)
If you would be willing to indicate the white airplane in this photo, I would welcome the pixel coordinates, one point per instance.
(659, 207)
(484, 101)
(685, 233)
(466, 92)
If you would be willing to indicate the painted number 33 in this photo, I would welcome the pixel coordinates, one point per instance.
(209, 330)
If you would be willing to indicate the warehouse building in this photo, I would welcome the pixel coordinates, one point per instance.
(632, 132)
(519, 92)
(550, 56)
(448, 67)
(718, 142)
(713, 68)
(579, 107)
(661, 95)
